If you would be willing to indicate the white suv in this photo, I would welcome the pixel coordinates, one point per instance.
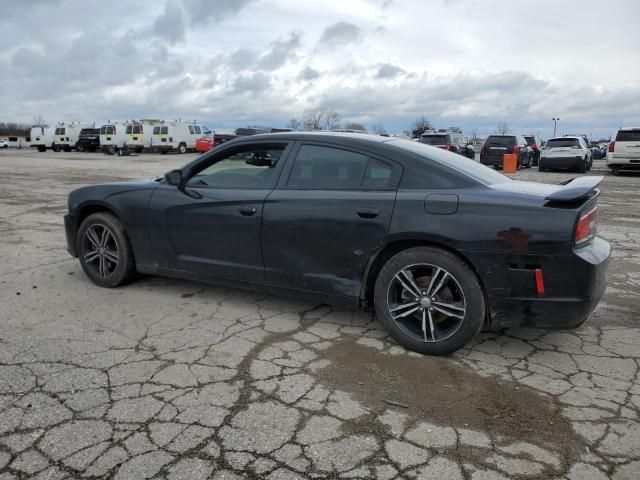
(4, 143)
(565, 153)
(624, 151)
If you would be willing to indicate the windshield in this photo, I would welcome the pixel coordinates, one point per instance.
(464, 165)
(435, 139)
(206, 130)
(563, 143)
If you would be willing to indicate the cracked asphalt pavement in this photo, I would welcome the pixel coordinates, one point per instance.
(171, 379)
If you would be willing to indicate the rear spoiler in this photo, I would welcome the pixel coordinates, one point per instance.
(575, 189)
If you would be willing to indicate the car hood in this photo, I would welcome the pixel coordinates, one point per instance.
(104, 190)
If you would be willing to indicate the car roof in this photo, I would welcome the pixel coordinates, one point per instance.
(572, 137)
(337, 137)
(504, 135)
(629, 128)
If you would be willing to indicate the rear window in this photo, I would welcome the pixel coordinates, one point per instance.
(129, 129)
(562, 142)
(89, 131)
(107, 130)
(156, 130)
(500, 141)
(164, 130)
(464, 165)
(530, 140)
(435, 139)
(628, 136)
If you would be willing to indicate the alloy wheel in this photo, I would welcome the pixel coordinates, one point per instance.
(426, 302)
(100, 250)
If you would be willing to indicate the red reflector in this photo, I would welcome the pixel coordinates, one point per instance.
(539, 282)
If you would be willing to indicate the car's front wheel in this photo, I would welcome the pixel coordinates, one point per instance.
(429, 300)
(104, 250)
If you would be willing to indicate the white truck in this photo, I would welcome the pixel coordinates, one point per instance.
(176, 137)
(41, 137)
(65, 136)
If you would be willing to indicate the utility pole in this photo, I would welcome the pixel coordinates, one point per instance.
(555, 124)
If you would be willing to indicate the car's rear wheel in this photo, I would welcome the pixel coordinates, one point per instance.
(429, 300)
(582, 168)
(182, 148)
(540, 166)
(104, 250)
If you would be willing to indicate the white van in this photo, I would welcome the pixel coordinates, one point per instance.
(112, 137)
(66, 136)
(177, 136)
(138, 135)
(41, 137)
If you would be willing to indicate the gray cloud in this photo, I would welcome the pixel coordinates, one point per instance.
(308, 73)
(388, 70)
(280, 52)
(242, 59)
(340, 33)
(205, 11)
(256, 82)
(170, 25)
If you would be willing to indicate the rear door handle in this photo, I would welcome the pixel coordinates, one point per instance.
(247, 211)
(366, 212)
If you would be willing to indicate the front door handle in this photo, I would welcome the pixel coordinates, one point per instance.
(247, 211)
(367, 212)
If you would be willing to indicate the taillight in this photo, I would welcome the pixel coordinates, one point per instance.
(448, 146)
(516, 149)
(482, 150)
(612, 147)
(587, 226)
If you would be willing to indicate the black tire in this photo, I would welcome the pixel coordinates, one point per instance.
(615, 171)
(582, 168)
(139, 150)
(55, 148)
(540, 166)
(182, 148)
(589, 164)
(5, 146)
(79, 148)
(67, 148)
(163, 152)
(466, 280)
(42, 148)
(116, 273)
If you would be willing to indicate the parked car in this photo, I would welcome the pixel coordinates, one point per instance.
(495, 146)
(587, 142)
(449, 140)
(535, 144)
(139, 135)
(207, 142)
(439, 245)
(176, 137)
(41, 137)
(246, 131)
(65, 136)
(624, 151)
(88, 139)
(4, 143)
(565, 153)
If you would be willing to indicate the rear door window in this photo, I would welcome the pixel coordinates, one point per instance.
(435, 140)
(191, 130)
(129, 129)
(628, 136)
(563, 143)
(156, 130)
(500, 141)
(164, 130)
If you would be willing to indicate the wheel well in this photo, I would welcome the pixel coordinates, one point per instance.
(398, 246)
(91, 209)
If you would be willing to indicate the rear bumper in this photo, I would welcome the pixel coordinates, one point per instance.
(70, 228)
(493, 161)
(562, 162)
(623, 163)
(574, 283)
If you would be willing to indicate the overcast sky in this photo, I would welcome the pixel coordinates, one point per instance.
(231, 63)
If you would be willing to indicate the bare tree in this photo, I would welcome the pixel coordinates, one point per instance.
(354, 126)
(331, 120)
(294, 124)
(379, 129)
(421, 125)
(502, 128)
(39, 120)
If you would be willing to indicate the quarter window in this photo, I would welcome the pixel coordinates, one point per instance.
(197, 130)
(191, 130)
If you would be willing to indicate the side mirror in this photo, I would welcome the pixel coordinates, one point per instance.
(174, 177)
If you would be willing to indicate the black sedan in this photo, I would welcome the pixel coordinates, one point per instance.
(440, 246)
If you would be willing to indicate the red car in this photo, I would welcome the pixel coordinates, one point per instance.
(206, 143)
